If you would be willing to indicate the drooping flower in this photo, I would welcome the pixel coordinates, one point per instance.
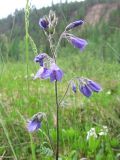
(35, 123)
(44, 23)
(43, 73)
(74, 24)
(77, 42)
(87, 86)
(56, 73)
(39, 58)
(85, 90)
(94, 86)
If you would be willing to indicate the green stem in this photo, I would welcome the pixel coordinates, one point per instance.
(57, 112)
(27, 36)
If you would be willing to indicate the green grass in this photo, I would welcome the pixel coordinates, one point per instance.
(77, 114)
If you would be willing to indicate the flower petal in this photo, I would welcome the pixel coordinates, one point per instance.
(43, 73)
(39, 58)
(43, 22)
(74, 24)
(59, 75)
(74, 88)
(85, 90)
(33, 126)
(94, 86)
(56, 73)
(78, 42)
(52, 76)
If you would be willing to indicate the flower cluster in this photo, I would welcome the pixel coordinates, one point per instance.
(53, 71)
(92, 132)
(48, 23)
(86, 86)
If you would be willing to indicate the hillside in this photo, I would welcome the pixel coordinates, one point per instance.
(100, 11)
(94, 12)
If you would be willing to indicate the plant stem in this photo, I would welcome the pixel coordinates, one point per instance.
(57, 114)
(26, 38)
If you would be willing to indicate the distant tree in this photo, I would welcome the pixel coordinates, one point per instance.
(4, 46)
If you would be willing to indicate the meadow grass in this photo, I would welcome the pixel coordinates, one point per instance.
(77, 114)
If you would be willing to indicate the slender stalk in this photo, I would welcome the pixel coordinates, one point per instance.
(26, 38)
(57, 112)
(54, 54)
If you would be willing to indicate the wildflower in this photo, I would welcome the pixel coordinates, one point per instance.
(39, 58)
(77, 42)
(44, 23)
(43, 73)
(91, 133)
(74, 24)
(55, 73)
(87, 86)
(103, 131)
(35, 123)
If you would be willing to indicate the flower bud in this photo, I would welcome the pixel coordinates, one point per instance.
(44, 23)
(74, 24)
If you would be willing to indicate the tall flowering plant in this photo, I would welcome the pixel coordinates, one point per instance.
(50, 70)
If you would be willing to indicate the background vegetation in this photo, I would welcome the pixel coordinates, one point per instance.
(21, 96)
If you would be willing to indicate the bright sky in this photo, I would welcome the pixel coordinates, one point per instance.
(8, 6)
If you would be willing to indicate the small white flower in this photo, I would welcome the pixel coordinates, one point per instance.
(103, 131)
(91, 133)
(108, 92)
